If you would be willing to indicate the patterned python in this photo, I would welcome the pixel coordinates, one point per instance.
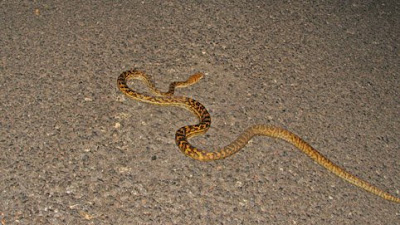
(184, 133)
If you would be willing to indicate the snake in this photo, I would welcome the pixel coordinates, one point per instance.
(183, 134)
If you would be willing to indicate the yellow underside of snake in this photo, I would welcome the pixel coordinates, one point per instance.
(185, 133)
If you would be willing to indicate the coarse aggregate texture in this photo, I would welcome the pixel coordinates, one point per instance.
(74, 150)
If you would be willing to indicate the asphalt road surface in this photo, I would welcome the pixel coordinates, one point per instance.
(75, 150)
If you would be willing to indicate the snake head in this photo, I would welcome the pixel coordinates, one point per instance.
(194, 78)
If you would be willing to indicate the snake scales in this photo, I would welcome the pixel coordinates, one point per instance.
(185, 133)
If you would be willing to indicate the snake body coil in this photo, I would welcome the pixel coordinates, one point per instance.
(184, 133)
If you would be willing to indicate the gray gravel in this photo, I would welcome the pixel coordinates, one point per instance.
(74, 150)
